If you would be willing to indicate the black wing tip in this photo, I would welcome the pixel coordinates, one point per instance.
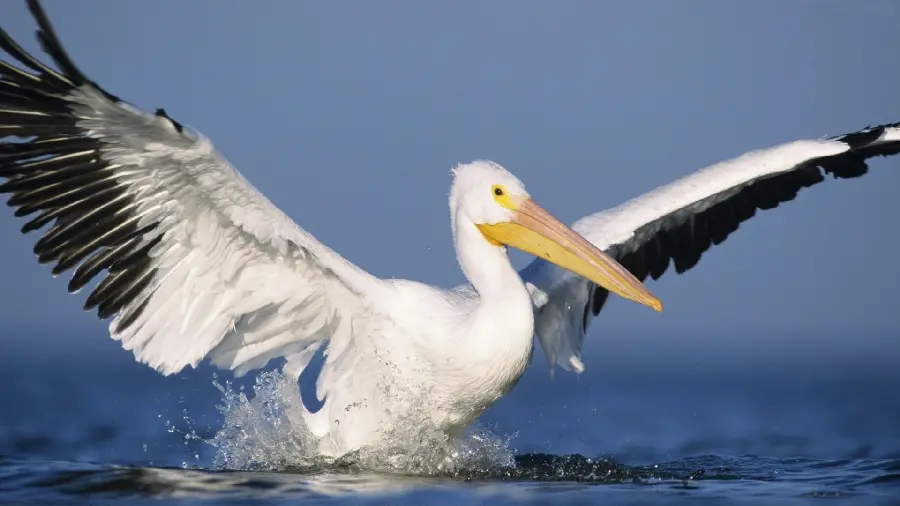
(864, 144)
(867, 136)
(862, 137)
(51, 45)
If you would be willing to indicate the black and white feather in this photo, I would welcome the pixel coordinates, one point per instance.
(676, 223)
(192, 261)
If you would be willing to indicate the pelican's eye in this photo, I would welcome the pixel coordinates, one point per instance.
(503, 198)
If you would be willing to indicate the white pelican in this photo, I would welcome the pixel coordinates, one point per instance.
(197, 264)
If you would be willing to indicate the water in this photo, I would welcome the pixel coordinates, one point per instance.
(94, 427)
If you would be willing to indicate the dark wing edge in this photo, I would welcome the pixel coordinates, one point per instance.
(55, 173)
(681, 238)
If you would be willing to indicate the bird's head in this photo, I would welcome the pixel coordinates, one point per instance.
(490, 198)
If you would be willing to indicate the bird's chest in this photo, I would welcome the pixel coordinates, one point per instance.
(496, 354)
(463, 361)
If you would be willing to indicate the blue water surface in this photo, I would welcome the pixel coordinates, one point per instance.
(93, 427)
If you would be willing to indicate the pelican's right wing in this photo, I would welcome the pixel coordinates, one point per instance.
(198, 263)
(678, 222)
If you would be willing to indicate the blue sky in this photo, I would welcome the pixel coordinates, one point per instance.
(349, 116)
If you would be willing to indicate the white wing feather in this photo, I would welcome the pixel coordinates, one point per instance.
(200, 264)
(679, 221)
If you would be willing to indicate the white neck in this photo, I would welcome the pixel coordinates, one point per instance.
(503, 295)
(497, 338)
(486, 266)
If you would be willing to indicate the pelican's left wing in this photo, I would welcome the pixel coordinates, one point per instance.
(197, 262)
(680, 221)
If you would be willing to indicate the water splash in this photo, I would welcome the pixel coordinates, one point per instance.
(266, 431)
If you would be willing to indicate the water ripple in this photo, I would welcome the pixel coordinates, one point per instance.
(532, 475)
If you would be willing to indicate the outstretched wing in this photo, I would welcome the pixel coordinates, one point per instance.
(194, 261)
(678, 222)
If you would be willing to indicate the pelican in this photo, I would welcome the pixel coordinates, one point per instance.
(192, 263)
